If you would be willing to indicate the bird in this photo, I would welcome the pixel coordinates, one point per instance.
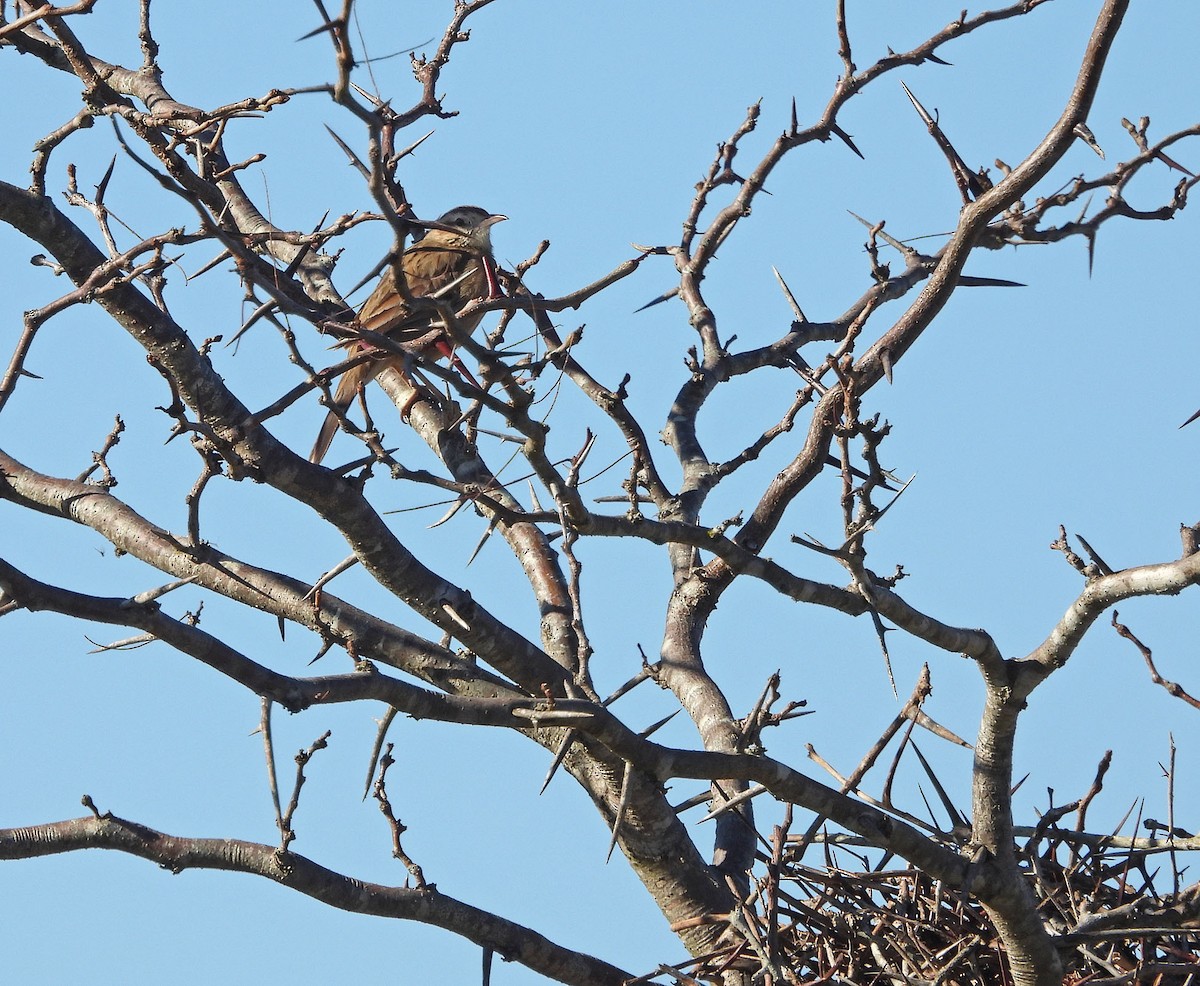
(453, 264)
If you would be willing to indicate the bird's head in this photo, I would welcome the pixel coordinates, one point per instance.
(475, 222)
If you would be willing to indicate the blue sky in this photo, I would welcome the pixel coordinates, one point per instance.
(588, 125)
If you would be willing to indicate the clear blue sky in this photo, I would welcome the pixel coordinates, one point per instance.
(588, 125)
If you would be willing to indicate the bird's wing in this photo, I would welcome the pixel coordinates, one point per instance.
(427, 270)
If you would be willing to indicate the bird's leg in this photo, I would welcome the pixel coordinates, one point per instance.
(418, 391)
(447, 350)
(410, 403)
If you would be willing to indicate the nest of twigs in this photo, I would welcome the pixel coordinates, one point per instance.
(1117, 907)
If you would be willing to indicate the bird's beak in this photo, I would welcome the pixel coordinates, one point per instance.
(492, 220)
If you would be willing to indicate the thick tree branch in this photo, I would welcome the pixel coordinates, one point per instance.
(427, 905)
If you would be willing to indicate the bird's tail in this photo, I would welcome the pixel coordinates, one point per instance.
(353, 380)
(324, 438)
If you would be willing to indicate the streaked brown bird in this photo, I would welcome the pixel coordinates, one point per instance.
(454, 265)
